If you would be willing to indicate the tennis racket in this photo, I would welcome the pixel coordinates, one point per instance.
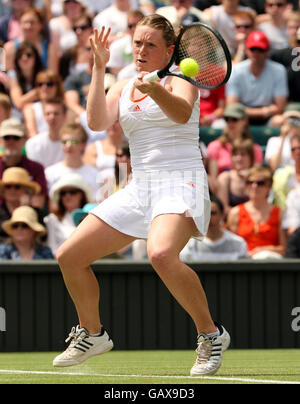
(206, 46)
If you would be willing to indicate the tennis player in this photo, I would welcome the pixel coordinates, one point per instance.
(167, 202)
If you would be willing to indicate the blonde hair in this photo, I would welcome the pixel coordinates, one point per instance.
(74, 129)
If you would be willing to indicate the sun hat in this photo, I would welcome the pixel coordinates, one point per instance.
(20, 176)
(12, 127)
(79, 213)
(24, 214)
(292, 110)
(235, 110)
(257, 39)
(70, 180)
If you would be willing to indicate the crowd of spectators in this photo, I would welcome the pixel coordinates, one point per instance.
(54, 168)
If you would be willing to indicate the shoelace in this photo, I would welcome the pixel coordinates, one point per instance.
(75, 337)
(203, 350)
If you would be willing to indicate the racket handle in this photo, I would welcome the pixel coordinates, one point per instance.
(153, 76)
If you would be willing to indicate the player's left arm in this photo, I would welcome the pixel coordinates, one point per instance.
(176, 99)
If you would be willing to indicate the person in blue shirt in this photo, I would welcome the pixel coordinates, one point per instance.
(25, 232)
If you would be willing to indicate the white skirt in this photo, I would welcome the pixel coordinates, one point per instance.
(131, 210)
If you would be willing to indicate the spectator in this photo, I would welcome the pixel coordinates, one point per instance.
(49, 85)
(16, 190)
(102, 153)
(61, 27)
(289, 56)
(258, 83)
(5, 107)
(33, 30)
(46, 147)
(178, 9)
(123, 170)
(293, 245)
(221, 18)
(275, 28)
(115, 17)
(291, 217)
(278, 148)
(285, 179)
(10, 28)
(258, 221)
(25, 231)
(236, 128)
(76, 59)
(219, 244)
(232, 188)
(77, 86)
(121, 49)
(74, 139)
(70, 192)
(257, 5)
(244, 24)
(13, 139)
(212, 105)
(22, 80)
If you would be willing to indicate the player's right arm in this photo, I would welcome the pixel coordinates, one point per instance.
(102, 109)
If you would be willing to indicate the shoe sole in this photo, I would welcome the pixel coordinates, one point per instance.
(68, 363)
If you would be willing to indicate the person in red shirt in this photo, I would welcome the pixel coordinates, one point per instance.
(258, 221)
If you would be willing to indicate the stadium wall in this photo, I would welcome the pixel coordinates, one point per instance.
(253, 299)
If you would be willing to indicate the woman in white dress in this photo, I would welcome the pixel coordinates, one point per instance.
(166, 202)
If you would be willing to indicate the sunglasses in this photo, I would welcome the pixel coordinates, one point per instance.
(11, 137)
(69, 192)
(275, 5)
(260, 50)
(81, 27)
(27, 54)
(259, 183)
(230, 119)
(246, 26)
(13, 186)
(20, 225)
(49, 84)
(72, 141)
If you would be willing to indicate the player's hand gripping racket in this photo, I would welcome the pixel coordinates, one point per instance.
(209, 54)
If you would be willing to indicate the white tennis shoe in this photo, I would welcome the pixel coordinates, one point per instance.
(210, 352)
(82, 347)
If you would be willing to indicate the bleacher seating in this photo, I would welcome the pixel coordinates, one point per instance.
(261, 134)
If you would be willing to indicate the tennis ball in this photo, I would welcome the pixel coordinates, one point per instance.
(189, 67)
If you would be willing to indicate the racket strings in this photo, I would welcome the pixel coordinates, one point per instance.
(204, 47)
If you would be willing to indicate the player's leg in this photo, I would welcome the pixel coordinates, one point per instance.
(168, 235)
(92, 239)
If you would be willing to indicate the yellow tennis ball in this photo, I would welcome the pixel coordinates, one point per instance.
(189, 67)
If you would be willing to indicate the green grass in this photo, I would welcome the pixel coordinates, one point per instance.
(261, 365)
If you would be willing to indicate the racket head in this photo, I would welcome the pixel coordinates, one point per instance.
(207, 47)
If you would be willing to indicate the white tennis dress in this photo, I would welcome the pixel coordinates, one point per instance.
(168, 175)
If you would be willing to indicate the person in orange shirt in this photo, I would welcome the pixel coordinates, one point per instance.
(258, 221)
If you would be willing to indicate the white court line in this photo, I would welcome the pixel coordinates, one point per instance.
(231, 379)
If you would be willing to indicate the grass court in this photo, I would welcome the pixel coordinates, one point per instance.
(153, 367)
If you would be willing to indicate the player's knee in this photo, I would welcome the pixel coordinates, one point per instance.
(160, 258)
(64, 257)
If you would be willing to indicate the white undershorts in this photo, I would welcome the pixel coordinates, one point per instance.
(131, 210)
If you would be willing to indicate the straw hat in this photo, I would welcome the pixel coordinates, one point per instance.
(20, 176)
(70, 180)
(24, 214)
